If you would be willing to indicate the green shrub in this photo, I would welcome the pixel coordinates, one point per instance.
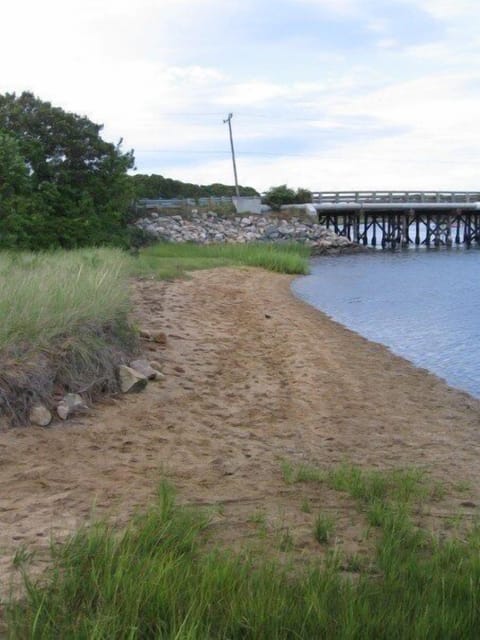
(275, 197)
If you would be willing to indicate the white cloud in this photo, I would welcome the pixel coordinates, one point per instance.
(251, 93)
(341, 7)
(379, 25)
(387, 43)
(447, 9)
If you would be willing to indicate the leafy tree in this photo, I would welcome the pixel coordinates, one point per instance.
(14, 174)
(73, 185)
(275, 197)
(303, 196)
(16, 197)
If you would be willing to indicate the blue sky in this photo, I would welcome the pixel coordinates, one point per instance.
(326, 94)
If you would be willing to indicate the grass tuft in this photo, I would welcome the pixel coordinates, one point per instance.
(323, 528)
(158, 580)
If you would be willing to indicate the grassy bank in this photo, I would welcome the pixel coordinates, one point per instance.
(157, 580)
(64, 326)
(173, 260)
(64, 313)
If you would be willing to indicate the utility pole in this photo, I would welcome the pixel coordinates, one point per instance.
(229, 120)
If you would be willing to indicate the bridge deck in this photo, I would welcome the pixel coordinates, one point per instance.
(405, 197)
(395, 207)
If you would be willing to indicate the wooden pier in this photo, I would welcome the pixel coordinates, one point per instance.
(401, 218)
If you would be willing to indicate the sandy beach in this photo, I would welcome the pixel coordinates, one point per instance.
(253, 377)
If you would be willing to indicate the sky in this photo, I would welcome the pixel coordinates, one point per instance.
(325, 94)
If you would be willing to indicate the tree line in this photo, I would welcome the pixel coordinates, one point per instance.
(156, 186)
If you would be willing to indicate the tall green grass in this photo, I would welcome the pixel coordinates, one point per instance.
(171, 260)
(156, 579)
(43, 295)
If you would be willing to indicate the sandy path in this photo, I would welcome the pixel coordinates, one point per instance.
(242, 392)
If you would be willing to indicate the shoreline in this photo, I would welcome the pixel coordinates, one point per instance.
(255, 376)
(405, 325)
(389, 349)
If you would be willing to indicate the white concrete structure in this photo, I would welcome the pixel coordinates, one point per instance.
(248, 204)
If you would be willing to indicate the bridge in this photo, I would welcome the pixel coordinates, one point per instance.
(401, 218)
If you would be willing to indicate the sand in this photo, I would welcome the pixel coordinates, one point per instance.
(254, 377)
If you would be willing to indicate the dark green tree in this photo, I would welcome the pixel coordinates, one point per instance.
(276, 196)
(17, 210)
(76, 184)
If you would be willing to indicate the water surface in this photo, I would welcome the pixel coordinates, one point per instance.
(423, 304)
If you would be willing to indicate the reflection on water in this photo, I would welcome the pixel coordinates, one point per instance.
(423, 304)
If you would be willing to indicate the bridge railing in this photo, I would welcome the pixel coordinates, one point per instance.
(322, 197)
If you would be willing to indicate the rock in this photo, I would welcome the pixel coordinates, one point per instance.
(131, 381)
(143, 367)
(145, 333)
(70, 404)
(160, 337)
(40, 415)
(209, 227)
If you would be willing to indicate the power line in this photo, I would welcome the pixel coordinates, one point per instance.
(280, 154)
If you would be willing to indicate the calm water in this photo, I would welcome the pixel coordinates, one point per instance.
(423, 304)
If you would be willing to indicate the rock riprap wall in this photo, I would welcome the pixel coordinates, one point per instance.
(206, 228)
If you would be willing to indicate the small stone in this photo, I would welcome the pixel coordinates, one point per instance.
(155, 364)
(160, 337)
(131, 381)
(143, 367)
(40, 415)
(70, 404)
(144, 333)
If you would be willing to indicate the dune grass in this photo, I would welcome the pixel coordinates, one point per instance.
(43, 295)
(168, 260)
(157, 580)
